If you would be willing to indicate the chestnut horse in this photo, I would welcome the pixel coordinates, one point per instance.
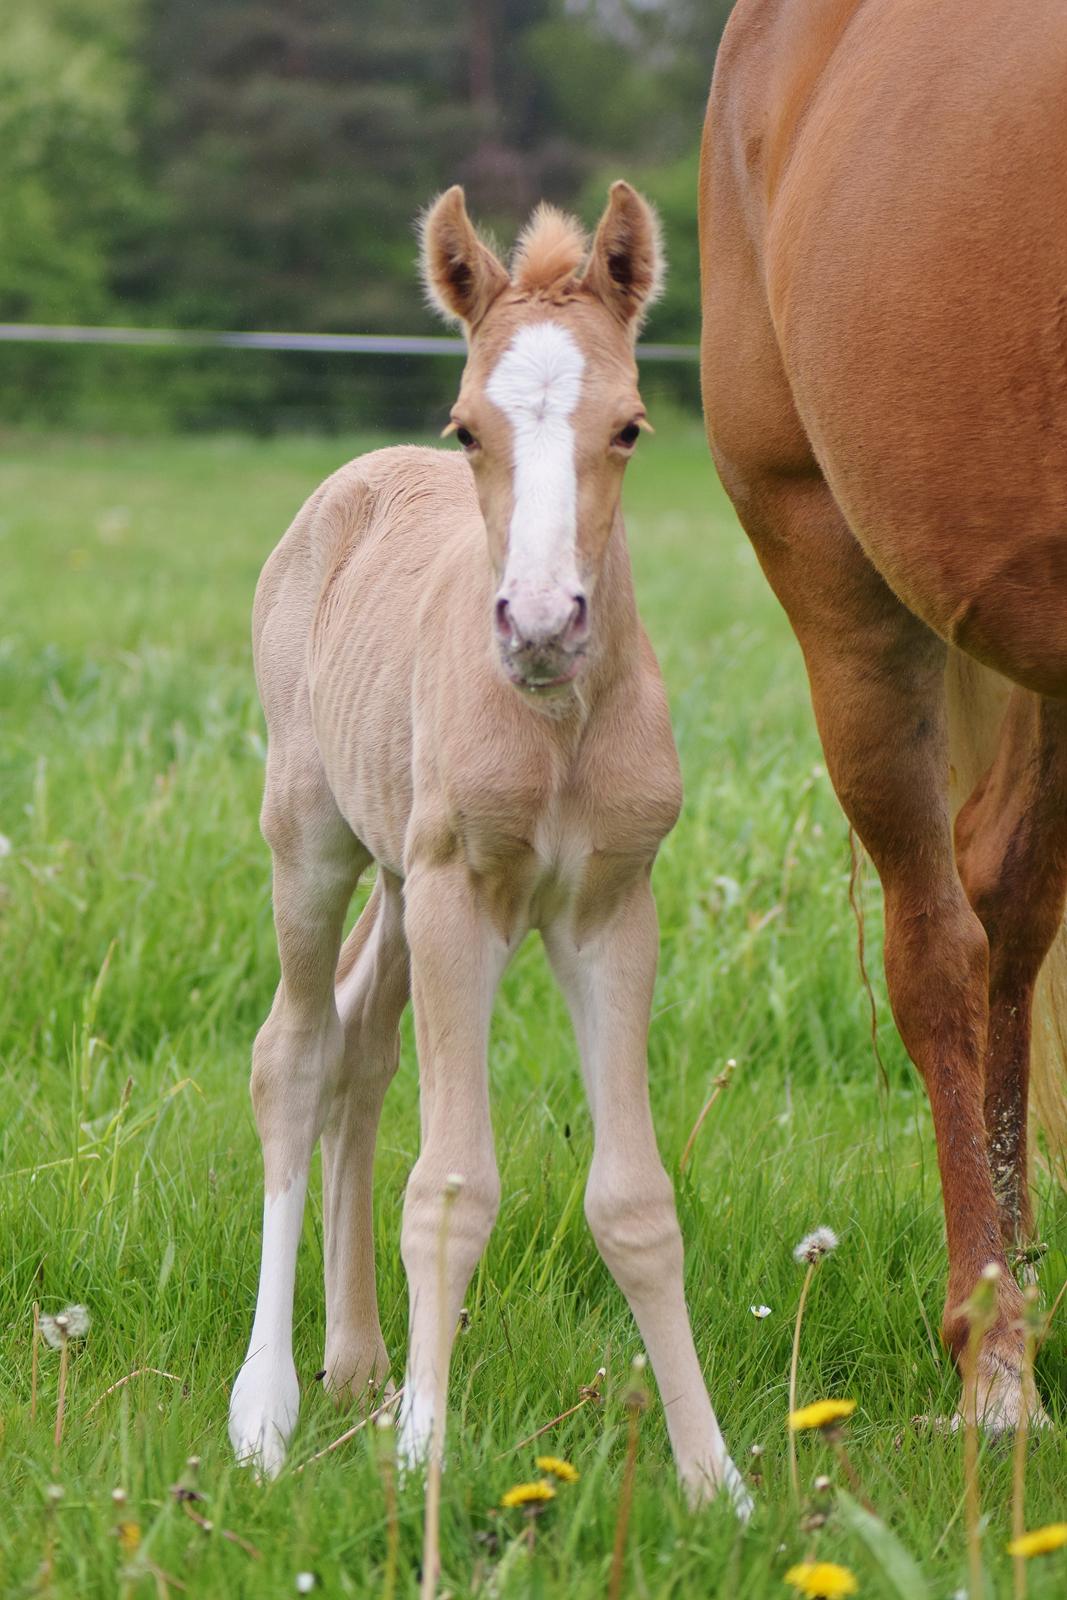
(457, 686)
(883, 227)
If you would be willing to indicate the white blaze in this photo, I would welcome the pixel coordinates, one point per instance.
(536, 384)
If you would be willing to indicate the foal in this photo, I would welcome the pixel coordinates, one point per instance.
(457, 686)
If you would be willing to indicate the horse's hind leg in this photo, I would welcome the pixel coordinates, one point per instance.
(372, 991)
(877, 680)
(296, 1063)
(1011, 842)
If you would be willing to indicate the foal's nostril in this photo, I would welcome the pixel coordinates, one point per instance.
(502, 616)
(578, 624)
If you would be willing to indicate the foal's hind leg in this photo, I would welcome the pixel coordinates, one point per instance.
(877, 682)
(296, 1063)
(372, 991)
(1011, 841)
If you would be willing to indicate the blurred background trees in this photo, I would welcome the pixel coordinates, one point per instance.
(259, 163)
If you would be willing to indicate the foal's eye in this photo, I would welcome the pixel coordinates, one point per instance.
(627, 437)
(466, 438)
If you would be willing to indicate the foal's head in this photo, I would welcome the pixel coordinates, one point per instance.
(548, 411)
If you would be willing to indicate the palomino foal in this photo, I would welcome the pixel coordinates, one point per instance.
(457, 686)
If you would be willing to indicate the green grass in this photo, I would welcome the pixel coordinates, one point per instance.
(137, 960)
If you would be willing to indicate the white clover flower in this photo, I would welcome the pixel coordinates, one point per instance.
(820, 1242)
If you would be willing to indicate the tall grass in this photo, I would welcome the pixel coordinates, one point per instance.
(137, 960)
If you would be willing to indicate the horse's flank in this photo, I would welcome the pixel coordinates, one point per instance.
(906, 208)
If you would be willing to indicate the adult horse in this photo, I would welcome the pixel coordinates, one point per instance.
(883, 223)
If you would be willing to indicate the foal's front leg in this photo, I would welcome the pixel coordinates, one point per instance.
(629, 1200)
(457, 957)
(296, 1062)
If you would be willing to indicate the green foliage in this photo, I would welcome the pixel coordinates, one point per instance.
(138, 960)
(260, 164)
(67, 155)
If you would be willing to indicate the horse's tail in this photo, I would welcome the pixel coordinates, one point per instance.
(977, 697)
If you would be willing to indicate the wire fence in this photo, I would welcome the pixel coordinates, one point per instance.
(147, 379)
(361, 344)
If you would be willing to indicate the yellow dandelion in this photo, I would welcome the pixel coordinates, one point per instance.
(821, 1415)
(822, 1580)
(558, 1468)
(527, 1494)
(1041, 1541)
(129, 1537)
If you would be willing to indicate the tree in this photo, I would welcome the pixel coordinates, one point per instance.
(67, 154)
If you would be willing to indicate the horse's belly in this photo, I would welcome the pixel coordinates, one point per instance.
(360, 685)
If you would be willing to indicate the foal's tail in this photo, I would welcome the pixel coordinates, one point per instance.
(977, 697)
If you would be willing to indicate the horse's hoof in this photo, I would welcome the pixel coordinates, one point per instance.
(737, 1489)
(702, 1487)
(358, 1376)
(1001, 1400)
(264, 1406)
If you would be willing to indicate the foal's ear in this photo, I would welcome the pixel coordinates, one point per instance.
(626, 265)
(462, 275)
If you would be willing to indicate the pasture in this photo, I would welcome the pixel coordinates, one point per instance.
(137, 961)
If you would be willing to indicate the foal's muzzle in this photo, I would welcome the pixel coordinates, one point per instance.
(542, 637)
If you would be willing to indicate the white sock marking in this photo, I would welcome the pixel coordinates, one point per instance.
(266, 1396)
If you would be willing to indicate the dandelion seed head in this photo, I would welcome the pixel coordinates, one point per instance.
(118, 1497)
(305, 1582)
(820, 1242)
(453, 1184)
(991, 1272)
(54, 1493)
(821, 1484)
(70, 1323)
(759, 1312)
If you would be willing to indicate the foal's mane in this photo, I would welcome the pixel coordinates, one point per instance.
(549, 251)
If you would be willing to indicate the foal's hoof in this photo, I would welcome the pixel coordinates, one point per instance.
(414, 1438)
(701, 1487)
(358, 1376)
(264, 1406)
(736, 1488)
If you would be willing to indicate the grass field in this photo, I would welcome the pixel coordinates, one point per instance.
(137, 960)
